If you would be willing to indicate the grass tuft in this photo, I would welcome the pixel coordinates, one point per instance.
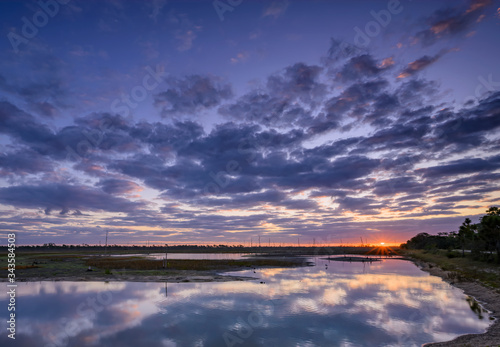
(461, 268)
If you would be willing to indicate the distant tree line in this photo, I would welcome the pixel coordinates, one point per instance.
(482, 240)
(114, 247)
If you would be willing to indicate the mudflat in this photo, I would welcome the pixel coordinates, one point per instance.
(31, 267)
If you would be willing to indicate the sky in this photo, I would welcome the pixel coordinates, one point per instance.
(219, 122)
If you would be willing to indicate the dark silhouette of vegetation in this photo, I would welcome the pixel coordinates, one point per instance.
(186, 264)
(51, 248)
(480, 240)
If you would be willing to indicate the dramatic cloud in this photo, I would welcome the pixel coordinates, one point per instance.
(299, 80)
(64, 198)
(450, 22)
(257, 128)
(280, 104)
(463, 166)
(276, 9)
(192, 94)
(119, 187)
(22, 163)
(363, 66)
(419, 65)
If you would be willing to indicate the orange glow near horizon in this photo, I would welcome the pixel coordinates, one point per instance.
(382, 250)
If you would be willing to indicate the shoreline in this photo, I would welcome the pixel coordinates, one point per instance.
(488, 298)
(197, 276)
(182, 270)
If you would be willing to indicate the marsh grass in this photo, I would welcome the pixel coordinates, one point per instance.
(464, 269)
(184, 264)
(52, 265)
(22, 267)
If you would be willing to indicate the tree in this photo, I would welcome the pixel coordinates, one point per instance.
(419, 241)
(465, 233)
(489, 230)
(493, 211)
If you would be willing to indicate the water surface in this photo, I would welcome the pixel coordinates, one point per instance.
(387, 303)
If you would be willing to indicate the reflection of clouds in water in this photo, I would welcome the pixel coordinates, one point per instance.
(334, 296)
(122, 315)
(302, 305)
(168, 343)
(271, 272)
(221, 304)
(393, 283)
(307, 304)
(102, 315)
(47, 287)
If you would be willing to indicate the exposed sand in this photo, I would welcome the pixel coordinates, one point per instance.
(489, 299)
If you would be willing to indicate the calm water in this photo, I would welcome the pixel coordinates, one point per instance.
(388, 303)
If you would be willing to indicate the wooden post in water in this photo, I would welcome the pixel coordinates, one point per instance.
(165, 264)
(106, 247)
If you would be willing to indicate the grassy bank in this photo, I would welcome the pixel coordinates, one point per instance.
(461, 269)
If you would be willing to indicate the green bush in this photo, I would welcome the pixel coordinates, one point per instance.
(452, 254)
